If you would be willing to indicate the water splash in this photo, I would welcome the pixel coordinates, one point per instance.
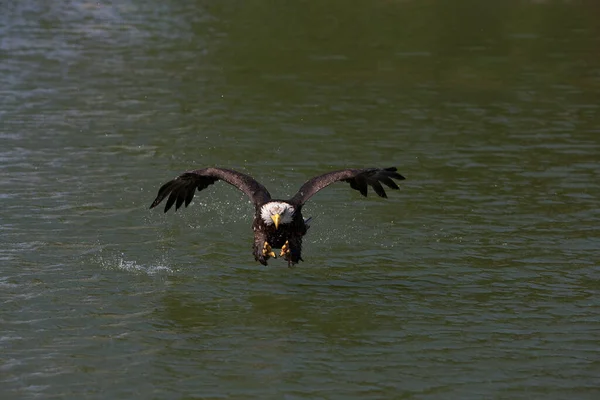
(119, 262)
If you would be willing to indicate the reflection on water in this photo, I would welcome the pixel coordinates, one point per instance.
(478, 278)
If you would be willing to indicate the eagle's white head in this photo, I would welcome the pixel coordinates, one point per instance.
(277, 213)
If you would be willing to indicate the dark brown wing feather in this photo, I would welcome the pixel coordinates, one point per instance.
(359, 179)
(181, 189)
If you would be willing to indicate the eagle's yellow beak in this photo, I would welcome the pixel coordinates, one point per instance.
(275, 219)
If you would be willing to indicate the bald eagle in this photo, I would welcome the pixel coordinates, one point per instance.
(278, 224)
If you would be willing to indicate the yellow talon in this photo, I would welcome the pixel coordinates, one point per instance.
(285, 249)
(268, 251)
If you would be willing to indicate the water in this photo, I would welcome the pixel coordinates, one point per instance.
(478, 279)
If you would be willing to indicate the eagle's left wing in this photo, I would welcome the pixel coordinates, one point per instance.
(359, 179)
(181, 189)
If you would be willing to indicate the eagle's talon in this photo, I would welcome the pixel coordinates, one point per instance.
(285, 249)
(268, 251)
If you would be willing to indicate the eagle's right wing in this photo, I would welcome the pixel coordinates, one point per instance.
(358, 179)
(181, 189)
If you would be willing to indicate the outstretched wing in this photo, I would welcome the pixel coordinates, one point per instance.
(358, 179)
(181, 189)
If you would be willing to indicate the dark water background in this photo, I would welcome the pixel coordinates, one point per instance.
(479, 279)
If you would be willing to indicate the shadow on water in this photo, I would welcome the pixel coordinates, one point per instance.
(263, 304)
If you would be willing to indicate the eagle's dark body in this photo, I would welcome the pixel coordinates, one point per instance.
(277, 237)
(277, 223)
